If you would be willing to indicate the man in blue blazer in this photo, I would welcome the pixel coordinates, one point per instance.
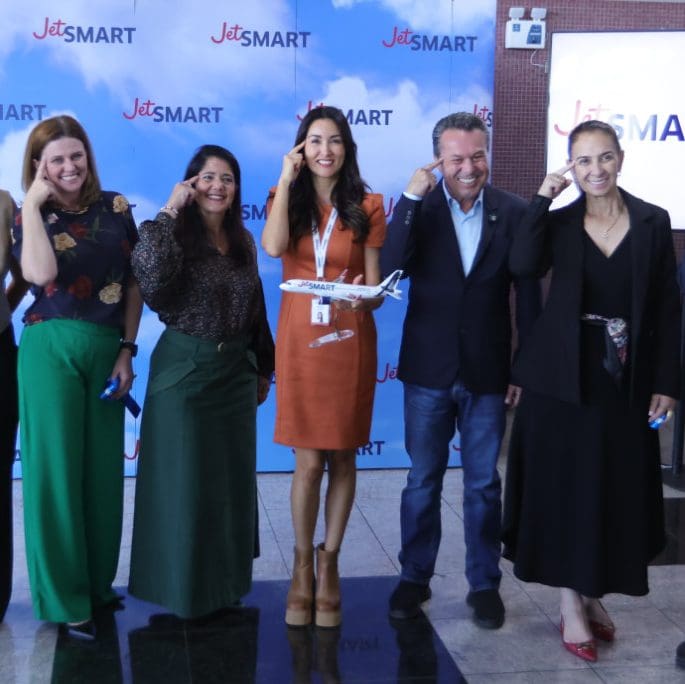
(452, 239)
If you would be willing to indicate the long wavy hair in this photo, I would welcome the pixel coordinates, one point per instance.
(190, 229)
(52, 129)
(349, 190)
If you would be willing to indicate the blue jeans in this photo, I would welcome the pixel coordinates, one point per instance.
(429, 419)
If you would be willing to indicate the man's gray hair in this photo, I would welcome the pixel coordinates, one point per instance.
(463, 121)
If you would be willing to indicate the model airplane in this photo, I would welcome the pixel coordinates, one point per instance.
(339, 290)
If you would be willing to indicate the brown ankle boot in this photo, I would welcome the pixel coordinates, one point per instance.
(327, 588)
(298, 608)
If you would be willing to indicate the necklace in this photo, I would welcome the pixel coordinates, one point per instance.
(65, 210)
(605, 233)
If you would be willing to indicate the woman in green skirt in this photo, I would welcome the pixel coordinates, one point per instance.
(195, 521)
(73, 242)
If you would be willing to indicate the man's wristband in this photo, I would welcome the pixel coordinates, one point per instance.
(130, 345)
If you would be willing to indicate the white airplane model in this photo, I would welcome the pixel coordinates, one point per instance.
(339, 290)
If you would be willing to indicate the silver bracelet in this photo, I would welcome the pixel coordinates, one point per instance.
(170, 210)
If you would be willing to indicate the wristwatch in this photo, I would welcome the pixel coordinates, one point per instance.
(130, 345)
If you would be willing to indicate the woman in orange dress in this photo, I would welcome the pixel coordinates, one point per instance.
(323, 223)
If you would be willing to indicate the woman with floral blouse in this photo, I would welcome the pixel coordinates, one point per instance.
(73, 241)
(195, 524)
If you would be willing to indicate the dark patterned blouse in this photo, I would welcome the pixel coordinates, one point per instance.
(210, 297)
(93, 250)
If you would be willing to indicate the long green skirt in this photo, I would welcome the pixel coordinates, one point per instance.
(195, 527)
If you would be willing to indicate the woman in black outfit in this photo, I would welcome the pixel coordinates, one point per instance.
(8, 393)
(583, 507)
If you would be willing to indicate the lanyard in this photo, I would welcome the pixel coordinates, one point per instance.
(321, 245)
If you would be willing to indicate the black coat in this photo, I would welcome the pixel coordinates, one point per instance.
(458, 326)
(549, 361)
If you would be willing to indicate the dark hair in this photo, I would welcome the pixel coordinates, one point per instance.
(462, 121)
(190, 229)
(53, 129)
(593, 126)
(348, 192)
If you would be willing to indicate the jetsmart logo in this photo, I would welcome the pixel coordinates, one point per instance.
(359, 117)
(59, 29)
(269, 39)
(651, 127)
(159, 113)
(22, 112)
(425, 43)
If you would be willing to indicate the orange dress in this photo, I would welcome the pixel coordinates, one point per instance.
(324, 396)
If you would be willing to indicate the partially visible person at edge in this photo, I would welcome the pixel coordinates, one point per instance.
(195, 523)
(452, 238)
(9, 300)
(583, 500)
(680, 650)
(322, 222)
(73, 241)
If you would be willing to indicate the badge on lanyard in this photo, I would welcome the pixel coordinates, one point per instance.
(321, 311)
(321, 306)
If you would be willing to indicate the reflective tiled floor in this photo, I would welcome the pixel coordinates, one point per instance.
(251, 644)
(140, 644)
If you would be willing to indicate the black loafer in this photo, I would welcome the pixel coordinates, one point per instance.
(488, 609)
(406, 600)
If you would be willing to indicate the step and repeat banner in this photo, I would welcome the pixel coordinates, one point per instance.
(151, 80)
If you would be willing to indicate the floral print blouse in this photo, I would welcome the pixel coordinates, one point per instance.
(93, 250)
(212, 297)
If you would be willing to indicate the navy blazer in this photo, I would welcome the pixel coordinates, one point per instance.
(549, 362)
(457, 326)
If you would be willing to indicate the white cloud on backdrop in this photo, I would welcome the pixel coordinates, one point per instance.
(386, 161)
(12, 148)
(427, 14)
(175, 60)
(11, 154)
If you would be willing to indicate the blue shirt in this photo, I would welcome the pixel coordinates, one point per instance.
(468, 227)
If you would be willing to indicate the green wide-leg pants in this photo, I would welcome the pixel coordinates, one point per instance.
(72, 446)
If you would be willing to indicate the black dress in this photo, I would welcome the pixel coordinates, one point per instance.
(583, 502)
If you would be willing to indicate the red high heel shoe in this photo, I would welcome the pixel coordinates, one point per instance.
(587, 650)
(602, 631)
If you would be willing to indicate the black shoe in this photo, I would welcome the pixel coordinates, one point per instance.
(488, 609)
(680, 655)
(85, 631)
(406, 600)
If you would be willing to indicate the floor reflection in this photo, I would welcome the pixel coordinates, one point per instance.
(78, 660)
(223, 649)
(314, 651)
(251, 644)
